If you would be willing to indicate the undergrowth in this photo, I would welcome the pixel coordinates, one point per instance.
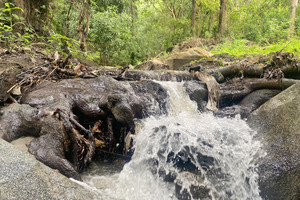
(243, 47)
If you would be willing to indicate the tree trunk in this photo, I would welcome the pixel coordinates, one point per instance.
(292, 18)
(132, 12)
(199, 20)
(132, 17)
(67, 22)
(36, 14)
(222, 17)
(83, 26)
(193, 17)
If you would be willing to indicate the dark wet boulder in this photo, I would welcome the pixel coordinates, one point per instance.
(18, 120)
(277, 123)
(257, 98)
(196, 191)
(48, 147)
(152, 99)
(94, 97)
(121, 110)
(198, 92)
(248, 104)
(184, 167)
(68, 117)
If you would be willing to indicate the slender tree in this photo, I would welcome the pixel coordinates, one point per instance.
(83, 22)
(193, 17)
(132, 16)
(199, 20)
(293, 17)
(222, 17)
(132, 11)
(67, 21)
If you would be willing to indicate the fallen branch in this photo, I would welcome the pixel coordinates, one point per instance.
(52, 72)
(238, 89)
(10, 89)
(83, 148)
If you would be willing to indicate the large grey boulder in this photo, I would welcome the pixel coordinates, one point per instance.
(278, 125)
(23, 177)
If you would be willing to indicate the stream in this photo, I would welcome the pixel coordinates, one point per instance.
(183, 155)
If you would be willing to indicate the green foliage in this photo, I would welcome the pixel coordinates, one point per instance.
(104, 5)
(111, 34)
(65, 18)
(244, 47)
(260, 21)
(8, 18)
(126, 32)
(63, 44)
(8, 21)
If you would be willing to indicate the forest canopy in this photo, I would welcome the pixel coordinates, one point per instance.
(122, 32)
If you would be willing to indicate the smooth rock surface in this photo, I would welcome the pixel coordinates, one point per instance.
(177, 60)
(152, 65)
(278, 125)
(23, 177)
(197, 91)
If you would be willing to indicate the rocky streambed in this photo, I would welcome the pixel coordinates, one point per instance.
(95, 116)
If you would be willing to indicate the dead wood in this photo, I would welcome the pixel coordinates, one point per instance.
(284, 61)
(213, 89)
(83, 145)
(255, 84)
(241, 70)
(237, 89)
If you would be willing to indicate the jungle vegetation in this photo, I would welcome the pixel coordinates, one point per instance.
(122, 32)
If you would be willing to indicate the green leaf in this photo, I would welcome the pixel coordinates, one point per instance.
(91, 99)
(6, 10)
(69, 44)
(16, 16)
(17, 8)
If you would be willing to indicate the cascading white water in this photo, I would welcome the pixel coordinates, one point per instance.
(185, 155)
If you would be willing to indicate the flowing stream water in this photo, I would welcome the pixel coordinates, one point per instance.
(184, 155)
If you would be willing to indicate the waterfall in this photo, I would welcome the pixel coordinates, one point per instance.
(185, 155)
